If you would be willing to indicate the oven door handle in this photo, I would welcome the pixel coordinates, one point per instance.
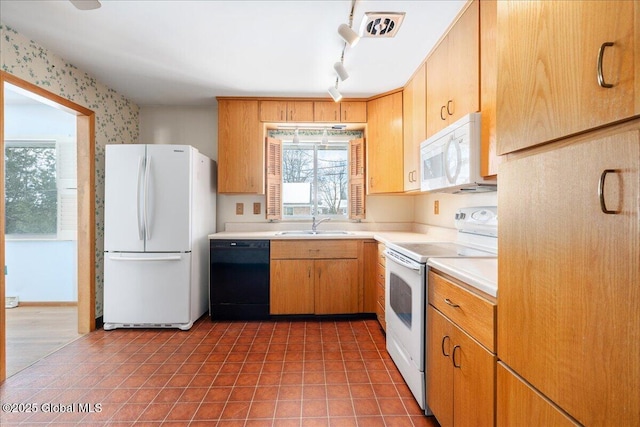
(398, 260)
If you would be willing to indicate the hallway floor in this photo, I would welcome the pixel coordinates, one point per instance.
(34, 332)
(271, 373)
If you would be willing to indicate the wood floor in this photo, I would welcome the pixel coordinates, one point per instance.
(34, 332)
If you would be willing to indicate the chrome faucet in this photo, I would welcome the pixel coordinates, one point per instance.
(314, 224)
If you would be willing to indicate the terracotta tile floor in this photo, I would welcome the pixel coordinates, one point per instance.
(281, 373)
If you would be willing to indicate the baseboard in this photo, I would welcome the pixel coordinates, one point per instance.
(48, 303)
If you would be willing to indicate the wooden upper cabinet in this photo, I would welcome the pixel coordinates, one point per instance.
(286, 111)
(385, 147)
(353, 112)
(548, 61)
(453, 73)
(345, 112)
(489, 159)
(240, 147)
(414, 99)
(326, 111)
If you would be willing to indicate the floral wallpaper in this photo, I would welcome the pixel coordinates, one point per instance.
(116, 117)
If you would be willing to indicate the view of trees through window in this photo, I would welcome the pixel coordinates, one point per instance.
(315, 179)
(30, 189)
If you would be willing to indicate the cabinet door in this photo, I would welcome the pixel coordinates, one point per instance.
(300, 111)
(489, 159)
(569, 274)
(437, 88)
(336, 286)
(520, 405)
(453, 73)
(474, 382)
(291, 283)
(370, 266)
(385, 152)
(414, 101)
(273, 111)
(240, 148)
(353, 111)
(326, 111)
(439, 367)
(463, 69)
(547, 56)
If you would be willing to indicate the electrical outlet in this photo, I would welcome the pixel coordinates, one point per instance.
(256, 208)
(239, 208)
(436, 207)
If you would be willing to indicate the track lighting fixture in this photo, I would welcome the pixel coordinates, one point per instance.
(341, 71)
(349, 36)
(335, 94)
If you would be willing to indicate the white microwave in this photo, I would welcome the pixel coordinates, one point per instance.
(450, 159)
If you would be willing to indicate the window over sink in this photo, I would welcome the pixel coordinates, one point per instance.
(315, 176)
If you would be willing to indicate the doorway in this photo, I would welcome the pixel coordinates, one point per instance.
(85, 253)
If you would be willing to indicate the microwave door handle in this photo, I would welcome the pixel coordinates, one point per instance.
(452, 178)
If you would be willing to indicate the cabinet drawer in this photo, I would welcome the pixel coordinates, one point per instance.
(314, 249)
(472, 313)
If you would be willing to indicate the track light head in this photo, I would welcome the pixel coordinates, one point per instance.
(335, 94)
(341, 71)
(348, 35)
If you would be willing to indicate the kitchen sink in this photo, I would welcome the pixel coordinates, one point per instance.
(313, 233)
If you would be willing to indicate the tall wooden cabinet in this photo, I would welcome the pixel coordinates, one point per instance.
(554, 64)
(569, 274)
(453, 73)
(240, 147)
(385, 146)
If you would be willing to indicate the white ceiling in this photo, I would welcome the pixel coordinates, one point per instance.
(188, 52)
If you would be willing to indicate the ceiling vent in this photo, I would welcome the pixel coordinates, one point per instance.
(381, 24)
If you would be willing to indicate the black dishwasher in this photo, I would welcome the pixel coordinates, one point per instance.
(239, 279)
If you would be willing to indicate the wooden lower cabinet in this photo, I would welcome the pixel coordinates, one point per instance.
(292, 286)
(460, 375)
(518, 404)
(336, 286)
(315, 277)
(370, 267)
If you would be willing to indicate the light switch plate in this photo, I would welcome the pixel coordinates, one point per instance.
(436, 207)
(239, 208)
(256, 208)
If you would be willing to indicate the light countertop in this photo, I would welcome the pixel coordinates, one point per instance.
(481, 273)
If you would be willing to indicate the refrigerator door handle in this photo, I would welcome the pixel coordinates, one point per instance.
(145, 215)
(138, 201)
(131, 259)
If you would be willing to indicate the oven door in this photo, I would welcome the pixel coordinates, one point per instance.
(405, 305)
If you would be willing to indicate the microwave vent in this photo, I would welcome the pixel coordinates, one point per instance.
(381, 24)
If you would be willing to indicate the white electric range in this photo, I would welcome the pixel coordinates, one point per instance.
(406, 288)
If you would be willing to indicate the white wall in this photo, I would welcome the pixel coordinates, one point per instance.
(195, 126)
(449, 203)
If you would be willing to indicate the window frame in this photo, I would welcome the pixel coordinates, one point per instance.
(64, 177)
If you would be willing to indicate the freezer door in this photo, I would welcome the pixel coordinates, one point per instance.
(123, 222)
(149, 288)
(168, 198)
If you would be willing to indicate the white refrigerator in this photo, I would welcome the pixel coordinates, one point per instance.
(159, 210)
